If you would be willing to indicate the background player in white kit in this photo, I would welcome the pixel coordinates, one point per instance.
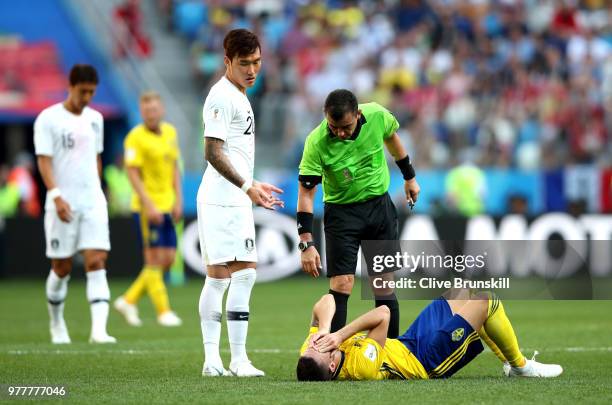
(225, 198)
(68, 138)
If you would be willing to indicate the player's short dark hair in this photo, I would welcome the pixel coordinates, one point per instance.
(309, 370)
(240, 42)
(339, 102)
(81, 73)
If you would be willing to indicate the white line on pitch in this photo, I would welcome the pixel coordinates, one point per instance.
(22, 352)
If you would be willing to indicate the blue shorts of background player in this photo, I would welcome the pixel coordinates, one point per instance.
(155, 235)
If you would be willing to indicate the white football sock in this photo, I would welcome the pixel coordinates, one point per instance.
(98, 295)
(211, 307)
(237, 310)
(56, 289)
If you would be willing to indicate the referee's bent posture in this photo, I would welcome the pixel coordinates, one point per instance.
(345, 153)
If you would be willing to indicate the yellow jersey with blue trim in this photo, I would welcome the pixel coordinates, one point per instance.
(363, 358)
(156, 156)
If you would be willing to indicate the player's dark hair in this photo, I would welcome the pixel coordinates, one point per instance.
(339, 102)
(240, 42)
(81, 73)
(309, 370)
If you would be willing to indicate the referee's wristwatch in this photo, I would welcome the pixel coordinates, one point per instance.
(303, 245)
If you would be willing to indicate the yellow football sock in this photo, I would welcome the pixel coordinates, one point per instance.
(499, 330)
(138, 287)
(157, 289)
(491, 344)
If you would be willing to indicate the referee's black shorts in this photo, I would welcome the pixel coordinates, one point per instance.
(346, 225)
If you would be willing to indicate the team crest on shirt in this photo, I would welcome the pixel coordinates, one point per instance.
(95, 127)
(249, 244)
(457, 334)
(54, 243)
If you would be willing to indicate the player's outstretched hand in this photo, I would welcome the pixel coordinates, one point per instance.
(328, 343)
(412, 190)
(153, 215)
(63, 209)
(311, 261)
(261, 195)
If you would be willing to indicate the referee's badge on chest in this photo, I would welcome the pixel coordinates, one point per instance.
(347, 174)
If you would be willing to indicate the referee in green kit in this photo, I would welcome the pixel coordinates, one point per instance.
(345, 153)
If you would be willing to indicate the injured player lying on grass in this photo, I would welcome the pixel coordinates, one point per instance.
(444, 337)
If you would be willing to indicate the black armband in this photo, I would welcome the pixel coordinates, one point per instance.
(304, 222)
(406, 168)
(309, 182)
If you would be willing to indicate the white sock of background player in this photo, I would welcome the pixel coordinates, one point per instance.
(98, 295)
(57, 289)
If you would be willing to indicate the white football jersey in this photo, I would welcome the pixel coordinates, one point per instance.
(73, 142)
(228, 116)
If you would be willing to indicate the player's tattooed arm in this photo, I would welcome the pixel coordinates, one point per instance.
(215, 156)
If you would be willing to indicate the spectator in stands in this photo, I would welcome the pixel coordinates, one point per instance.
(131, 36)
(21, 176)
(9, 195)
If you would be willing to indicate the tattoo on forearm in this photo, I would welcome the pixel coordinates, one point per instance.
(216, 157)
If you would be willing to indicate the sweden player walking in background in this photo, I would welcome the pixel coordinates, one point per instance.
(68, 139)
(152, 159)
(225, 199)
(346, 153)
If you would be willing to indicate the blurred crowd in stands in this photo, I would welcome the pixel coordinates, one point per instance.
(498, 83)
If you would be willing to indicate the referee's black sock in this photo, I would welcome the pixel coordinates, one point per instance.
(391, 301)
(339, 319)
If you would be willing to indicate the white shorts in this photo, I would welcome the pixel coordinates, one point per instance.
(227, 234)
(88, 229)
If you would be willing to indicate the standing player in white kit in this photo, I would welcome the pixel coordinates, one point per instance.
(68, 139)
(225, 213)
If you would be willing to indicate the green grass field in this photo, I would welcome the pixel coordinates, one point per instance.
(152, 364)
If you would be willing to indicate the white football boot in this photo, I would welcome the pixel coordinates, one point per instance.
(102, 338)
(210, 370)
(59, 333)
(532, 368)
(169, 319)
(245, 369)
(129, 311)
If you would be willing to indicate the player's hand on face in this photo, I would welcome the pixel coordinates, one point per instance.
(63, 209)
(258, 194)
(328, 343)
(311, 261)
(153, 215)
(412, 190)
(314, 338)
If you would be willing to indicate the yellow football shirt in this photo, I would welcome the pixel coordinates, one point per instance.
(156, 156)
(365, 359)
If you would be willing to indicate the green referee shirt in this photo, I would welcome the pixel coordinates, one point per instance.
(353, 170)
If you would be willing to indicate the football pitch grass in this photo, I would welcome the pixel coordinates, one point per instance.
(152, 364)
